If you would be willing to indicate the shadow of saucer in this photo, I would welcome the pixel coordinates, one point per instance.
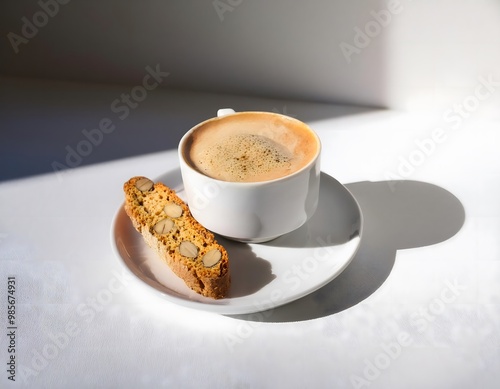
(397, 215)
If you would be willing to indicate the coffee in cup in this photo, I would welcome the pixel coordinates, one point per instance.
(251, 176)
(249, 147)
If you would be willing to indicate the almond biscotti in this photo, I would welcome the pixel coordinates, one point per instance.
(168, 227)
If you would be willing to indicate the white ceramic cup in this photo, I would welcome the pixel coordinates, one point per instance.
(251, 211)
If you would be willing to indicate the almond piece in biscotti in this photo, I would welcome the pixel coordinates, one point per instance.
(188, 249)
(164, 226)
(144, 184)
(173, 210)
(212, 258)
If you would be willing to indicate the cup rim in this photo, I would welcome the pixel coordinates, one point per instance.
(312, 162)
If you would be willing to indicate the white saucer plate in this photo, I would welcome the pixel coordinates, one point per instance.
(263, 275)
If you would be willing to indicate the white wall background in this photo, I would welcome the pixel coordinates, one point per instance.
(429, 54)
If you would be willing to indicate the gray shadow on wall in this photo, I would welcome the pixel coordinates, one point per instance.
(397, 215)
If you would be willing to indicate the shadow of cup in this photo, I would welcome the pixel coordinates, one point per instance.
(397, 215)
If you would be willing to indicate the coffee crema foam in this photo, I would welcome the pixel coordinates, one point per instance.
(251, 149)
(243, 157)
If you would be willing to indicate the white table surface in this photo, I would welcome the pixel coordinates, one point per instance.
(418, 307)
